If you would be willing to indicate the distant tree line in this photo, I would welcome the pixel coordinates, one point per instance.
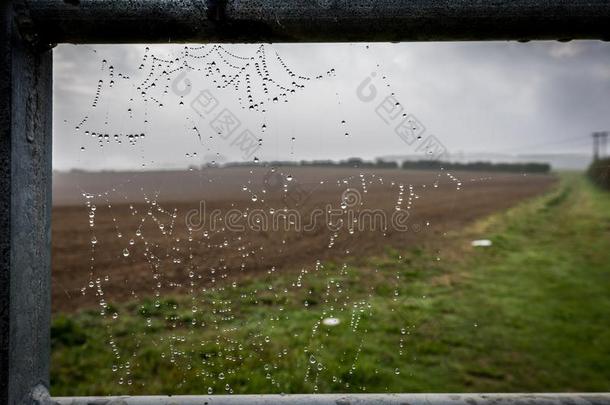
(528, 167)
(599, 172)
(351, 162)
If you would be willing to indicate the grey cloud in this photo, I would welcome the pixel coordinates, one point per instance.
(490, 97)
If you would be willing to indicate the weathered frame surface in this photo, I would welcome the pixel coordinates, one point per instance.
(351, 399)
(25, 214)
(30, 28)
(318, 20)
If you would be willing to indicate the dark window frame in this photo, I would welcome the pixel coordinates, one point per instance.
(29, 30)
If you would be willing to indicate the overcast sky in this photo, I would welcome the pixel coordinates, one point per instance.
(499, 97)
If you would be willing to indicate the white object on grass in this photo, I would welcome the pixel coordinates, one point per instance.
(331, 321)
(481, 243)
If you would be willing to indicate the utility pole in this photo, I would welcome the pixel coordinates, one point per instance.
(600, 141)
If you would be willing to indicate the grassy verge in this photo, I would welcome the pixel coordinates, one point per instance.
(530, 313)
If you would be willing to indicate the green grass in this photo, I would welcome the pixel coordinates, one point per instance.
(530, 313)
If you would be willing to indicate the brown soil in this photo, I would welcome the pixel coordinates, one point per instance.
(166, 260)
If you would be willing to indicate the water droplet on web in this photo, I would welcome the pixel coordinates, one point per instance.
(162, 225)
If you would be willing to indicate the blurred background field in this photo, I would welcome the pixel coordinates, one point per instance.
(152, 293)
(529, 313)
(90, 237)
